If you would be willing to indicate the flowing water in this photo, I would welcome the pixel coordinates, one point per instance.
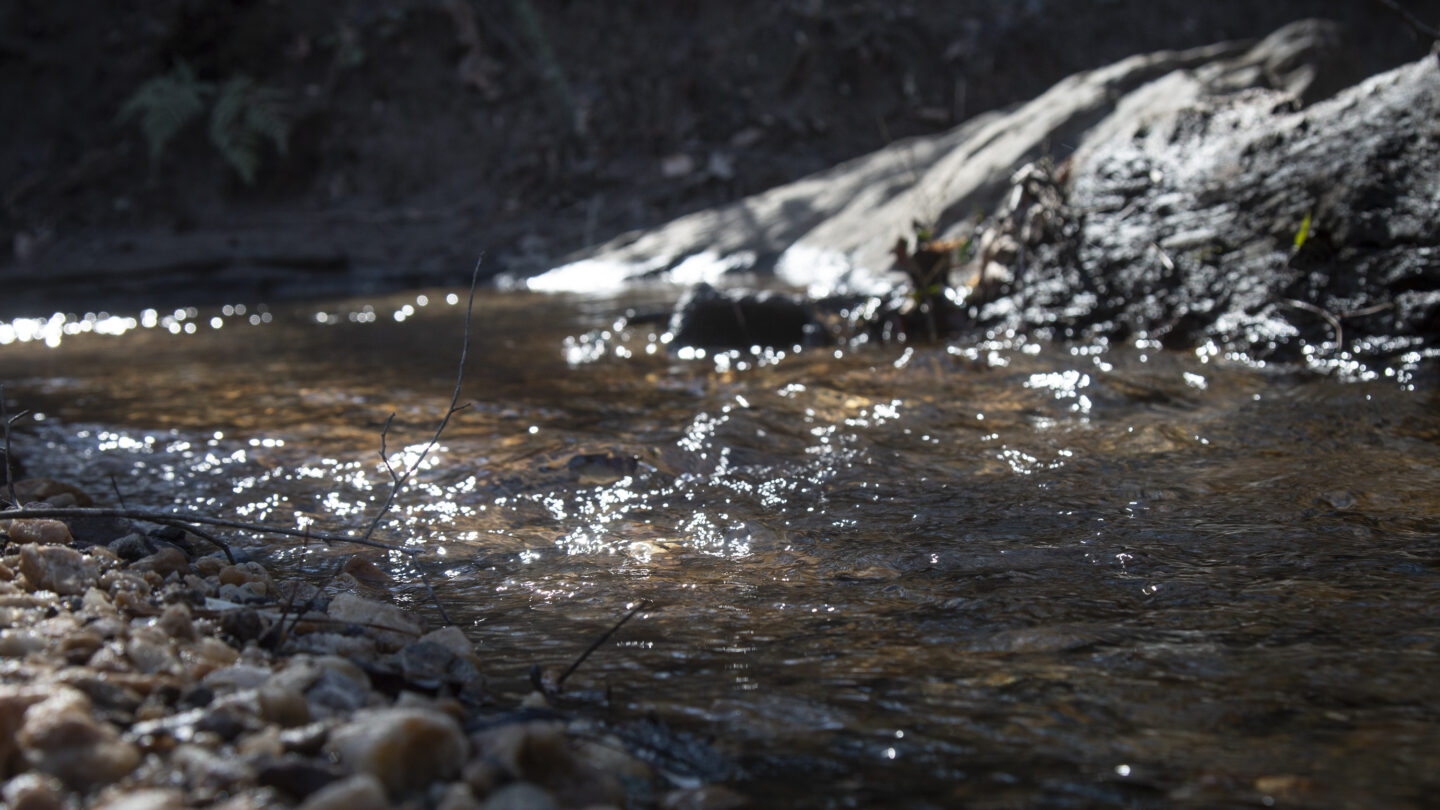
(1004, 575)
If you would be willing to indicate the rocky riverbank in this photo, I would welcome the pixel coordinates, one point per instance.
(138, 672)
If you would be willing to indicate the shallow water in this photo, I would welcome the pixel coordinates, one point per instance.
(1007, 575)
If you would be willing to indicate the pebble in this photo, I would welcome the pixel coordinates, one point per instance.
(403, 747)
(132, 547)
(65, 571)
(388, 624)
(61, 737)
(540, 752)
(176, 622)
(283, 707)
(212, 719)
(149, 650)
(359, 792)
(458, 796)
(164, 562)
(33, 791)
(39, 530)
(296, 776)
(151, 799)
(520, 796)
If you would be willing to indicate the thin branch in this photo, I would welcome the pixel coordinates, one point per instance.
(1416, 24)
(115, 485)
(8, 421)
(595, 645)
(190, 519)
(425, 580)
(1328, 316)
(398, 482)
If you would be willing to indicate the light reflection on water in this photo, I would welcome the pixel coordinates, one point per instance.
(994, 574)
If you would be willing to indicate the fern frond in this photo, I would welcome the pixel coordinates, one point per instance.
(165, 104)
(245, 114)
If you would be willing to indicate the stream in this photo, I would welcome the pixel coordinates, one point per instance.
(1010, 574)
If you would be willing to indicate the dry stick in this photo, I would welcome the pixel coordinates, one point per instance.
(595, 645)
(115, 485)
(190, 520)
(398, 481)
(8, 420)
(1323, 313)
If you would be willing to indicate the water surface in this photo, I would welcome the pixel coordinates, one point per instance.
(996, 575)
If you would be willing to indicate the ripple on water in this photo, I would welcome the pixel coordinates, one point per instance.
(996, 573)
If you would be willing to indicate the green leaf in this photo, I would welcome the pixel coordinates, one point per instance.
(1304, 233)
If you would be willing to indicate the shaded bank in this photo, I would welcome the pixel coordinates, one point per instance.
(422, 132)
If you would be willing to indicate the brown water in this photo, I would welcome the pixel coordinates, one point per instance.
(1009, 575)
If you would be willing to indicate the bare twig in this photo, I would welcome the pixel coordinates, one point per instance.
(190, 519)
(425, 580)
(115, 485)
(1370, 310)
(397, 482)
(595, 645)
(8, 421)
(1416, 24)
(1328, 316)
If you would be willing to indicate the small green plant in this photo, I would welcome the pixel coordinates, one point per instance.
(244, 115)
(1302, 235)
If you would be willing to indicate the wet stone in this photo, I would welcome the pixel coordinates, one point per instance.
(33, 791)
(425, 663)
(61, 737)
(283, 707)
(149, 650)
(520, 796)
(295, 776)
(226, 722)
(176, 622)
(359, 792)
(164, 561)
(54, 568)
(149, 799)
(404, 747)
(306, 739)
(132, 547)
(242, 624)
(334, 693)
(389, 624)
(174, 536)
(40, 530)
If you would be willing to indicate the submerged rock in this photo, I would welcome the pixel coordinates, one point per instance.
(739, 319)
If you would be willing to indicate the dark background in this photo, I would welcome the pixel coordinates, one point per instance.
(425, 131)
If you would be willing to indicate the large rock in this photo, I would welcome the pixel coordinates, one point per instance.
(1162, 194)
(1240, 220)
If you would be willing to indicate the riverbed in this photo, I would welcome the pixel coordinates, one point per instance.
(1004, 573)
